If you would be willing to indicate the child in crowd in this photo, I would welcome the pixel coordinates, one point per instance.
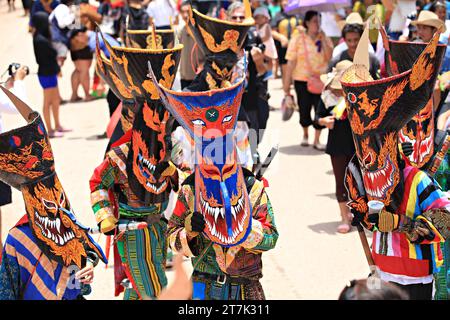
(262, 18)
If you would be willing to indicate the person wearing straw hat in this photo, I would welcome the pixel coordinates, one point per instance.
(353, 18)
(427, 24)
(331, 113)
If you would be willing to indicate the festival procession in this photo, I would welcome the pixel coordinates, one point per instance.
(225, 150)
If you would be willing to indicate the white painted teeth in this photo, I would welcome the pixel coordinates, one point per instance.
(58, 225)
(49, 235)
(216, 214)
(147, 163)
(155, 189)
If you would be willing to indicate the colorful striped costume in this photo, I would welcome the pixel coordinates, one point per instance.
(212, 261)
(392, 252)
(26, 273)
(143, 252)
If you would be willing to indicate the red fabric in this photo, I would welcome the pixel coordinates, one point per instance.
(265, 182)
(402, 265)
(124, 139)
(96, 178)
(22, 221)
(119, 272)
(114, 120)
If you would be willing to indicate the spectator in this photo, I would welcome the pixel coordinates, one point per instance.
(283, 29)
(331, 114)
(352, 34)
(192, 56)
(111, 15)
(82, 57)
(61, 21)
(274, 7)
(26, 7)
(262, 18)
(366, 8)
(136, 16)
(399, 18)
(372, 289)
(46, 58)
(440, 10)
(42, 6)
(307, 55)
(353, 18)
(161, 13)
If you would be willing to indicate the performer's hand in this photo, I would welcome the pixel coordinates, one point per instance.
(385, 221)
(108, 225)
(358, 217)
(195, 223)
(406, 148)
(86, 275)
(420, 232)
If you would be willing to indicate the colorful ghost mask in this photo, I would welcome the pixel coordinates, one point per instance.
(221, 42)
(379, 109)
(26, 163)
(149, 150)
(143, 39)
(419, 131)
(220, 193)
(105, 71)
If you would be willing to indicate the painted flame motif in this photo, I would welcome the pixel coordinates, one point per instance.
(230, 41)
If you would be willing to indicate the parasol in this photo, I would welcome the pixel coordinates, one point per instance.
(301, 6)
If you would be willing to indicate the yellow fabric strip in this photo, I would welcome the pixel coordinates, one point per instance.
(103, 213)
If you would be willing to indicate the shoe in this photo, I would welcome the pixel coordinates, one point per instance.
(102, 136)
(305, 142)
(55, 134)
(319, 147)
(61, 129)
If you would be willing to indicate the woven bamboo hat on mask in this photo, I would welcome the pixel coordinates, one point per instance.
(428, 18)
(332, 79)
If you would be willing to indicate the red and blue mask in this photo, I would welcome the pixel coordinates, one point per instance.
(220, 192)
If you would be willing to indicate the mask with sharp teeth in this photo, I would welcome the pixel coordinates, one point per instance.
(26, 163)
(221, 196)
(419, 131)
(150, 136)
(377, 111)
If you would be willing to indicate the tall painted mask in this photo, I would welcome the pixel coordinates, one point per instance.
(105, 71)
(400, 56)
(149, 151)
(220, 192)
(221, 41)
(26, 163)
(146, 39)
(379, 109)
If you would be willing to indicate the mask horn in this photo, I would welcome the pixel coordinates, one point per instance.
(362, 50)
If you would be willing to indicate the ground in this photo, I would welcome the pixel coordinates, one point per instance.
(311, 260)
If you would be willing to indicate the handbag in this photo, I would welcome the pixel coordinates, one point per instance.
(314, 84)
(287, 108)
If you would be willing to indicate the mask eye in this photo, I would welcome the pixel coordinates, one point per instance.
(198, 122)
(227, 119)
(49, 204)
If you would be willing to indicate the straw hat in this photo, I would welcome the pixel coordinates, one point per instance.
(332, 79)
(428, 18)
(353, 18)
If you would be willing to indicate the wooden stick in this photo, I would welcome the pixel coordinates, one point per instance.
(365, 244)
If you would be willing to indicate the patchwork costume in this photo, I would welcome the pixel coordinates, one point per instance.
(139, 174)
(48, 245)
(429, 147)
(223, 218)
(377, 111)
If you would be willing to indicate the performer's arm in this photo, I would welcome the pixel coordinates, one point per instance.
(264, 234)
(180, 239)
(9, 273)
(100, 183)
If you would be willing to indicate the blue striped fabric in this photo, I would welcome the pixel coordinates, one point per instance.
(20, 260)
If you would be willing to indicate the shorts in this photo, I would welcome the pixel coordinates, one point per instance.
(82, 54)
(48, 82)
(61, 49)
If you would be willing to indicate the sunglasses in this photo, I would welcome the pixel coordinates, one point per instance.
(238, 17)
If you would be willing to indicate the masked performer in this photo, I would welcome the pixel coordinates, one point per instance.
(47, 246)
(415, 217)
(223, 218)
(139, 173)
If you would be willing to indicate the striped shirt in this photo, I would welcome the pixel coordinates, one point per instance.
(26, 273)
(392, 251)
